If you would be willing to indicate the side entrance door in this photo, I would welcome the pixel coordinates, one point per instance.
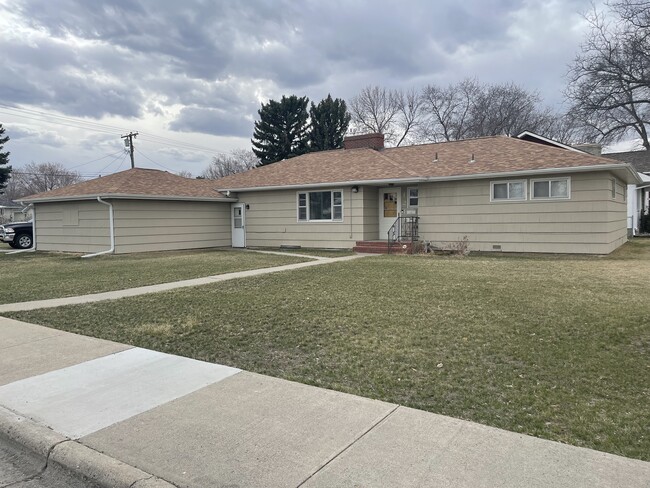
(238, 212)
(389, 207)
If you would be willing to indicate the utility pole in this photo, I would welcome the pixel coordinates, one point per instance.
(128, 142)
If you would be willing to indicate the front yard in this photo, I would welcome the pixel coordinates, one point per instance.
(38, 276)
(556, 348)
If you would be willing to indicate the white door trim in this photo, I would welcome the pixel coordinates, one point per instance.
(386, 222)
(238, 224)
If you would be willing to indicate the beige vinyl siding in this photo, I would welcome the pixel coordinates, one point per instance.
(91, 234)
(589, 222)
(272, 220)
(370, 213)
(159, 225)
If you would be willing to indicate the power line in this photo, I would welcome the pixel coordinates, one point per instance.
(98, 159)
(99, 127)
(109, 164)
(157, 164)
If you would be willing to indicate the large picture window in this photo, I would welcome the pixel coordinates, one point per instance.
(551, 188)
(508, 190)
(323, 206)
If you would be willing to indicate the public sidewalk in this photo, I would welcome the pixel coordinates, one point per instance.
(143, 290)
(125, 416)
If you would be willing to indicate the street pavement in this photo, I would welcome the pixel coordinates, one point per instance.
(195, 424)
(20, 469)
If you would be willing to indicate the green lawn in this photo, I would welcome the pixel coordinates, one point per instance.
(37, 276)
(556, 348)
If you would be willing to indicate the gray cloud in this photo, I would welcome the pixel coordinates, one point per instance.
(212, 121)
(205, 67)
(27, 134)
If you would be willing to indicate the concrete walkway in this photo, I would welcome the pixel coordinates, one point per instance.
(120, 416)
(143, 290)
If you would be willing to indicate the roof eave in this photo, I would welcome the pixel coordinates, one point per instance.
(123, 196)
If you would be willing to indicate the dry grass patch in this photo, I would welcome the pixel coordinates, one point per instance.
(41, 275)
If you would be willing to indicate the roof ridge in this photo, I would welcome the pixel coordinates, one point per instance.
(394, 163)
(499, 136)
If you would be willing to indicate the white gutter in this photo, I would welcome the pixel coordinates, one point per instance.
(33, 248)
(112, 231)
(126, 196)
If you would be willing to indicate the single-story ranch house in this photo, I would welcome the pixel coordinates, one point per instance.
(505, 194)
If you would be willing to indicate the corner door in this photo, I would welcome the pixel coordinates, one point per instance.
(238, 212)
(390, 205)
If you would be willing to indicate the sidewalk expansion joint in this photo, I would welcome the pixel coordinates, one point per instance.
(354, 441)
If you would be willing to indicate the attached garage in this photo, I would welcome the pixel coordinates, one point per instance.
(133, 211)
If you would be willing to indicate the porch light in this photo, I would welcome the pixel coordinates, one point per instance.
(355, 189)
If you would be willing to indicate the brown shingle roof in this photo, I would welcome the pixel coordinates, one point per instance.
(136, 182)
(497, 154)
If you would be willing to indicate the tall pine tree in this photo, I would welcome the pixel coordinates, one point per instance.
(282, 131)
(329, 123)
(5, 169)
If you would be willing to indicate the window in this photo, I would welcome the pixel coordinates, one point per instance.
(413, 197)
(613, 189)
(326, 206)
(508, 190)
(551, 188)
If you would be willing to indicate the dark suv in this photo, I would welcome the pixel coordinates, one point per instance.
(19, 235)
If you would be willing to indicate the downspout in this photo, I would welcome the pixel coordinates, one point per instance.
(33, 248)
(112, 231)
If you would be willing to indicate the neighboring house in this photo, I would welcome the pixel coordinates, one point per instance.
(638, 201)
(13, 213)
(503, 193)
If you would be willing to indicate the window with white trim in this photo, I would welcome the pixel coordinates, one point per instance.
(413, 197)
(320, 206)
(508, 190)
(550, 188)
(613, 189)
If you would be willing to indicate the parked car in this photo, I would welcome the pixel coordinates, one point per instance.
(19, 235)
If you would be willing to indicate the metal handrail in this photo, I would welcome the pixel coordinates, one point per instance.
(404, 228)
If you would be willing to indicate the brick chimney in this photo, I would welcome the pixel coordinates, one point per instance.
(373, 141)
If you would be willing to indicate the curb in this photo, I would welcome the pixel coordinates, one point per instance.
(54, 449)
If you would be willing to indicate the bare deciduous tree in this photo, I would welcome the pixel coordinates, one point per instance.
(374, 110)
(448, 110)
(185, 174)
(506, 109)
(395, 113)
(470, 109)
(41, 177)
(609, 81)
(237, 161)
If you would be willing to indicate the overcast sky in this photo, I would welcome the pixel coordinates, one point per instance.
(197, 71)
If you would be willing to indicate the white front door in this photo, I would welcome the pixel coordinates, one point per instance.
(238, 211)
(390, 205)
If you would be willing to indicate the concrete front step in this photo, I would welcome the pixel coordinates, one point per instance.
(381, 247)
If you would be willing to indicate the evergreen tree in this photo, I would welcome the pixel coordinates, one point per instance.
(5, 169)
(329, 123)
(282, 131)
